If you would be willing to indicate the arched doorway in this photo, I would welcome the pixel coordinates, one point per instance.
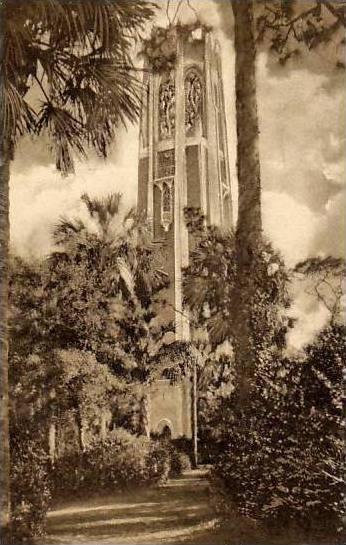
(165, 429)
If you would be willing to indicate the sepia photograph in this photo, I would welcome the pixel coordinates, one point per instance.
(172, 272)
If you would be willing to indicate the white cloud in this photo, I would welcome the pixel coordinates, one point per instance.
(310, 320)
(39, 196)
(290, 225)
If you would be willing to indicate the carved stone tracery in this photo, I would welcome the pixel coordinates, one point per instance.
(165, 163)
(167, 109)
(166, 186)
(193, 99)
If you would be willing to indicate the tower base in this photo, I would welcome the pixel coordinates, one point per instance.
(170, 408)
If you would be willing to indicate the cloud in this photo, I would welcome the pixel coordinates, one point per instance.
(39, 195)
(290, 225)
(309, 322)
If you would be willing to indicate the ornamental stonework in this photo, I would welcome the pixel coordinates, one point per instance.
(166, 186)
(167, 109)
(165, 163)
(193, 99)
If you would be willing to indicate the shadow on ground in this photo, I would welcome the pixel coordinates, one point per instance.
(177, 512)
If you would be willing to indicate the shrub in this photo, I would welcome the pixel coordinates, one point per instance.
(30, 490)
(159, 462)
(283, 456)
(180, 462)
(183, 444)
(121, 461)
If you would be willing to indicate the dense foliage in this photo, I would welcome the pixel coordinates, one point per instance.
(81, 322)
(211, 291)
(283, 461)
(121, 461)
(30, 489)
(278, 457)
(81, 339)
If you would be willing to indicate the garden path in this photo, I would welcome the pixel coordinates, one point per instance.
(176, 512)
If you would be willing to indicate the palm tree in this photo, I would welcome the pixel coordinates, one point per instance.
(118, 249)
(77, 57)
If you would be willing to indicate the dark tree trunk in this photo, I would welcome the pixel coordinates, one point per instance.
(249, 226)
(4, 416)
(145, 415)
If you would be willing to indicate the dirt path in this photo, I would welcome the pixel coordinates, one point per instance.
(177, 512)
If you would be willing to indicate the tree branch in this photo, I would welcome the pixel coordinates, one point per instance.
(337, 13)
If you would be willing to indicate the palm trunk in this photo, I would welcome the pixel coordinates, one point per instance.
(145, 415)
(4, 415)
(249, 227)
(81, 431)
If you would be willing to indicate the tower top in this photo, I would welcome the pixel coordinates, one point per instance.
(160, 50)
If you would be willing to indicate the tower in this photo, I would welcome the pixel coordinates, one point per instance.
(183, 162)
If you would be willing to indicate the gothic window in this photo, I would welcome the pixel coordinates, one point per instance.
(167, 109)
(166, 198)
(166, 204)
(193, 99)
(165, 164)
(223, 170)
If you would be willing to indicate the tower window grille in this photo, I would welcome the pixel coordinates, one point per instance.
(165, 164)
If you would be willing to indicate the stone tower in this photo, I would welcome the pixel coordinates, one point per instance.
(183, 162)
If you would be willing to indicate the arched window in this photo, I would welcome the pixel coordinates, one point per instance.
(166, 203)
(166, 198)
(167, 109)
(193, 99)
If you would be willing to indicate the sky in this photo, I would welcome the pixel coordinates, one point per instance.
(302, 150)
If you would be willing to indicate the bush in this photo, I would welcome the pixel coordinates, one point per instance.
(180, 462)
(159, 462)
(30, 490)
(282, 458)
(122, 461)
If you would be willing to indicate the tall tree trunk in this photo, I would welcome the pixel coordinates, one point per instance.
(4, 415)
(145, 415)
(249, 226)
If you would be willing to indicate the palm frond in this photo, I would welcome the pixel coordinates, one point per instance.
(126, 275)
(78, 54)
(66, 133)
(66, 229)
(103, 209)
(318, 265)
(16, 115)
